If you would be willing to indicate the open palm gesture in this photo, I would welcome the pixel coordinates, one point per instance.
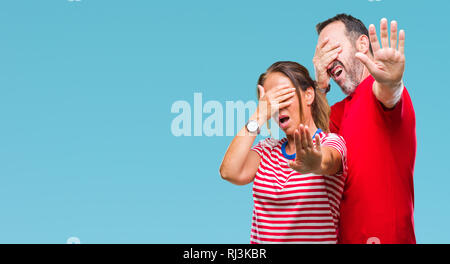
(388, 63)
(308, 157)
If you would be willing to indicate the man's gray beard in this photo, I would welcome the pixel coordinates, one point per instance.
(354, 75)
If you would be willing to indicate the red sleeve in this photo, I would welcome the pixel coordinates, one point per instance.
(337, 111)
(400, 109)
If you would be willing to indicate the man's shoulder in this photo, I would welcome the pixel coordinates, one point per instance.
(338, 108)
(339, 105)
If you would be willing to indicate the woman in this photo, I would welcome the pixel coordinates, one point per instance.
(297, 181)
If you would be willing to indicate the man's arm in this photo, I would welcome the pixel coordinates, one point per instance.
(388, 63)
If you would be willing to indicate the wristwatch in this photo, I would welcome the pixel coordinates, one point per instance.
(252, 126)
(326, 90)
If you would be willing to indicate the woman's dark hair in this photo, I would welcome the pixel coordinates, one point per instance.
(301, 79)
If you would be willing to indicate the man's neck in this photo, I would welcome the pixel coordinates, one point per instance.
(365, 73)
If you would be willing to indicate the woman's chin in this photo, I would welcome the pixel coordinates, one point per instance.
(290, 130)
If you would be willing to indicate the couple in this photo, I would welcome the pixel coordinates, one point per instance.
(341, 175)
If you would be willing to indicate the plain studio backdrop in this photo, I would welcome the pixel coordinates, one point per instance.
(86, 90)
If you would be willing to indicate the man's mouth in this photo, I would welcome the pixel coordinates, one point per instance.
(336, 70)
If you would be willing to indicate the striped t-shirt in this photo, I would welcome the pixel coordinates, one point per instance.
(290, 207)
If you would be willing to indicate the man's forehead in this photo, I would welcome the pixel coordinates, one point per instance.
(335, 30)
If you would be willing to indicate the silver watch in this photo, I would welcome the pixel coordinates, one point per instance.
(252, 126)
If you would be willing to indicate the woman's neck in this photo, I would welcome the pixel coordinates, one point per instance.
(290, 147)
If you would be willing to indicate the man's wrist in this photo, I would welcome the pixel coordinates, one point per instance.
(388, 94)
(324, 89)
(388, 86)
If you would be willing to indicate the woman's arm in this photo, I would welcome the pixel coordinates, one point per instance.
(331, 161)
(240, 164)
(314, 158)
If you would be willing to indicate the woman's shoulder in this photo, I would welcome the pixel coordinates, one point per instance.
(271, 143)
(328, 135)
(332, 139)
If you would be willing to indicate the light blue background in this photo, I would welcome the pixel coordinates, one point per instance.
(85, 95)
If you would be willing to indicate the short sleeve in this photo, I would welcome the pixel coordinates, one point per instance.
(265, 146)
(401, 109)
(338, 143)
(337, 112)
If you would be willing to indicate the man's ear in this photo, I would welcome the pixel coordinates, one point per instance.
(363, 44)
(309, 96)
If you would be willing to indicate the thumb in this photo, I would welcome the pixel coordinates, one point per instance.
(318, 146)
(292, 164)
(370, 65)
(296, 166)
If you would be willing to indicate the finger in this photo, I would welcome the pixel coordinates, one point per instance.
(329, 59)
(296, 166)
(285, 97)
(293, 165)
(308, 137)
(261, 91)
(394, 34)
(298, 143)
(323, 43)
(283, 91)
(330, 53)
(331, 46)
(401, 41)
(303, 137)
(284, 104)
(317, 143)
(371, 66)
(384, 33)
(373, 38)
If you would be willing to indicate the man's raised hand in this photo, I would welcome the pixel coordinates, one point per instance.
(388, 63)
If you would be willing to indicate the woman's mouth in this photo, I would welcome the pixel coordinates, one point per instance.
(284, 121)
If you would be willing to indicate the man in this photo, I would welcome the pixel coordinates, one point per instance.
(377, 121)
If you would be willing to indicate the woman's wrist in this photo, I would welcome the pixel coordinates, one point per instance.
(259, 117)
(321, 170)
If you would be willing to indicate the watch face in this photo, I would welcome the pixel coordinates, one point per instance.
(252, 126)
